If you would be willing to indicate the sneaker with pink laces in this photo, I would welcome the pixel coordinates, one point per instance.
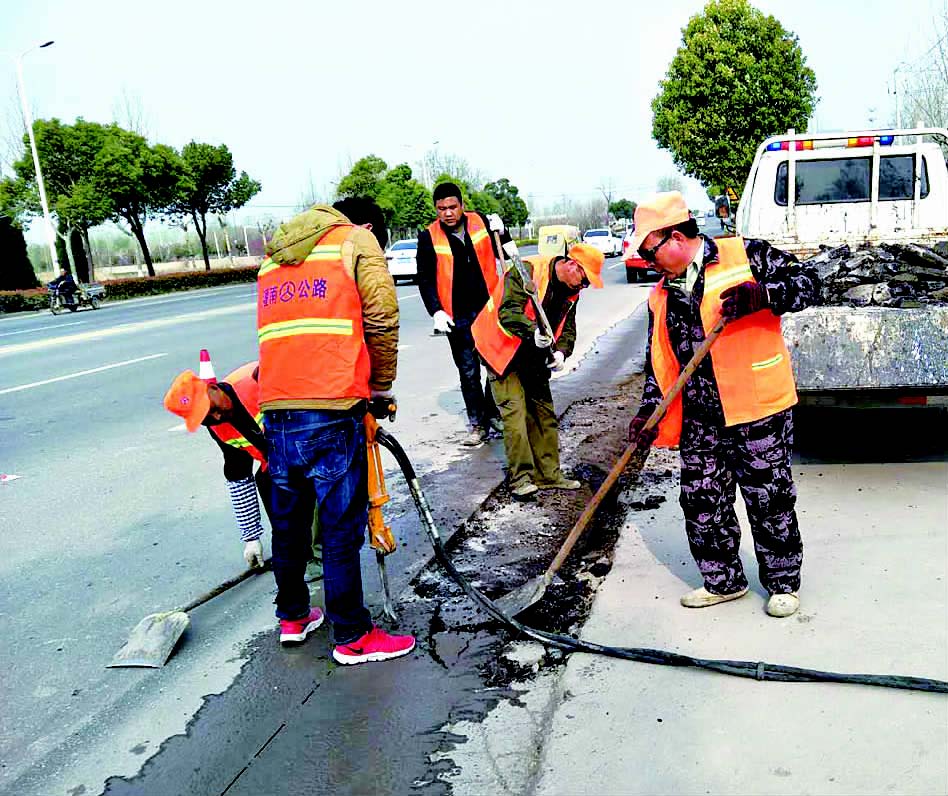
(376, 645)
(294, 631)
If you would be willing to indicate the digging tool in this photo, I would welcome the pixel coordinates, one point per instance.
(152, 640)
(530, 286)
(530, 592)
(380, 535)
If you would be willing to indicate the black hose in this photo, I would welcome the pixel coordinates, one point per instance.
(752, 670)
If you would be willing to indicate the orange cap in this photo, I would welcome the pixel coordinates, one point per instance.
(187, 398)
(590, 260)
(658, 212)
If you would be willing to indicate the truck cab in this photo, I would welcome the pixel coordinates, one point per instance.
(853, 187)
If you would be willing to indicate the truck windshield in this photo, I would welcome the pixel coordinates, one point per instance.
(847, 180)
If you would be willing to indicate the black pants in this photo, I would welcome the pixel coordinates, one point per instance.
(477, 396)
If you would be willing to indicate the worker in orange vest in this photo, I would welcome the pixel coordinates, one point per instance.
(457, 271)
(520, 359)
(327, 326)
(230, 409)
(733, 420)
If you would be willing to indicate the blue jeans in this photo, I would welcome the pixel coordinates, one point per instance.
(318, 458)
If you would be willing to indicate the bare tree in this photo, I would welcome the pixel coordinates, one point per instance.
(12, 130)
(128, 110)
(435, 163)
(670, 182)
(921, 86)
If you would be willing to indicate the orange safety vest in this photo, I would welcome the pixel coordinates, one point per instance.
(750, 360)
(494, 343)
(480, 238)
(309, 327)
(248, 391)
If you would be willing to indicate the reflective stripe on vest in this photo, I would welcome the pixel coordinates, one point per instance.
(750, 360)
(309, 326)
(494, 343)
(248, 392)
(480, 239)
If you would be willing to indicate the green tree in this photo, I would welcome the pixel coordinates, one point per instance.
(623, 208)
(16, 272)
(364, 179)
(405, 202)
(513, 210)
(472, 198)
(737, 78)
(209, 184)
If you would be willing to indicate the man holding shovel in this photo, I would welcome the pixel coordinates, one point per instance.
(521, 354)
(732, 421)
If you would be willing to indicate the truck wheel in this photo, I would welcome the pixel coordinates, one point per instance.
(55, 307)
(631, 276)
(94, 302)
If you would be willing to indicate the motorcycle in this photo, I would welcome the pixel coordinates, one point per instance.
(84, 296)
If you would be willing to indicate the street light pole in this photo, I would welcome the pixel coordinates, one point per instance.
(28, 119)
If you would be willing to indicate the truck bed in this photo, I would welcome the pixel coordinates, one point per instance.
(869, 348)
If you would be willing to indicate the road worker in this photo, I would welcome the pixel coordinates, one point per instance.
(732, 421)
(457, 272)
(327, 324)
(520, 359)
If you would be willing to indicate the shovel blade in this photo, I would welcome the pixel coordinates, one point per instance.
(151, 641)
(521, 598)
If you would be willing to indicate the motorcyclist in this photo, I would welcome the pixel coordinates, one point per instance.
(66, 286)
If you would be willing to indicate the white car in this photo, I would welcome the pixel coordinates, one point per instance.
(402, 260)
(603, 239)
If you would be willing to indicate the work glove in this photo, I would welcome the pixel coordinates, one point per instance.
(495, 222)
(556, 364)
(442, 322)
(637, 432)
(540, 340)
(743, 299)
(510, 249)
(253, 553)
(382, 404)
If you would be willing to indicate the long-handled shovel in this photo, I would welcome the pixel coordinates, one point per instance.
(530, 592)
(152, 640)
(530, 286)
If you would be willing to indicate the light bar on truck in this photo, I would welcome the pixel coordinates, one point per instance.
(864, 140)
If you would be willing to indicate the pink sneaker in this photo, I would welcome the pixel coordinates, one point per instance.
(296, 630)
(376, 645)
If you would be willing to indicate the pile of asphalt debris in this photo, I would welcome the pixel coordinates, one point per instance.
(890, 275)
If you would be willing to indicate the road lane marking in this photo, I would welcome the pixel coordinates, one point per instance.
(410, 295)
(80, 373)
(41, 328)
(127, 328)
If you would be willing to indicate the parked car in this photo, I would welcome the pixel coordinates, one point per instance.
(402, 260)
(603, 239)
(636, 269)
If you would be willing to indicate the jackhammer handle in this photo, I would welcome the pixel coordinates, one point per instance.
(626, 456)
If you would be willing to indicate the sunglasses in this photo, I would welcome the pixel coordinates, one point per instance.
(649, 254)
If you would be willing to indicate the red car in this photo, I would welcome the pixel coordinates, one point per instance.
(636, 269)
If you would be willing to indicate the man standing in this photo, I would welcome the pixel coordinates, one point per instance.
(327, 324)
(732, 421)
(520, 358)
(231, 411)
(457, 272)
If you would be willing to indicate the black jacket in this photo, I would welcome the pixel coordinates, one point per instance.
(238, 464)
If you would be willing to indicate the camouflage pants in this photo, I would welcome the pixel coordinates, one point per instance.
(756, 456)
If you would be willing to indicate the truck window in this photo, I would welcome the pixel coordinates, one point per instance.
(847, 180)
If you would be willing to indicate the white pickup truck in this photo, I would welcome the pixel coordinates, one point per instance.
(858, 188)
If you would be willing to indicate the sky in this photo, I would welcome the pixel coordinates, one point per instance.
(553, 95)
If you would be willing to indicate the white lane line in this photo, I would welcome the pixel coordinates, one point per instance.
(80, 373)
(409, 296)
(41, 328)
(128, 328)
(615, 266)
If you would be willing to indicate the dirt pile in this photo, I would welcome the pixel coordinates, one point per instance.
(891, 275)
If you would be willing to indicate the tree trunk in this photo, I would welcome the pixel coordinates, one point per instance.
(139, 232)
(200, 225)
(79, 259)
(64, 247)
(87, 247)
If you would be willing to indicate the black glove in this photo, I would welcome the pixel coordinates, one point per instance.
(382, 405)
(743, 299)
(637, 432)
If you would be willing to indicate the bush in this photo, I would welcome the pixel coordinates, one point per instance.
(527, 241)
(38, 299)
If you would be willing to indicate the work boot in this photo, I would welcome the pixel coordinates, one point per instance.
(561, 483)
(376, 645)
(295, 631)
(702, 598)
(314, 570)
(524, 491)
(782, 605)
(476, 437)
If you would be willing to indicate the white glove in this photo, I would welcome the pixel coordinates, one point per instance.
(510, 249)
(557, 364)
(495, 222)
(540, 340)
(253, 553)
(442, 322)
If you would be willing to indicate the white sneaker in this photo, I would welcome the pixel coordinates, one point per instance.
(782, 605)
(702, 598)
(524, 491)
(476, 437)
